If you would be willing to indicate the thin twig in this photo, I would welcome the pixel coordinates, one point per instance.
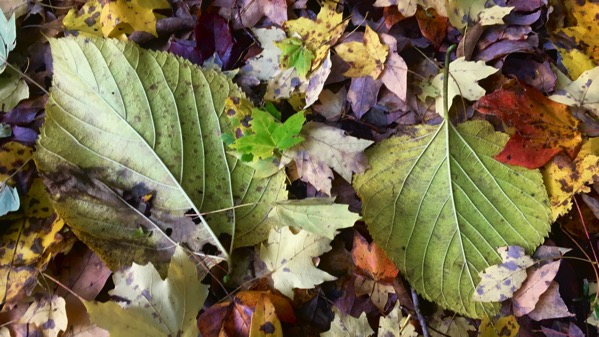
(418, 313)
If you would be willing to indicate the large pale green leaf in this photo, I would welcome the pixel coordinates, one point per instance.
(439, 205)
(122, 123)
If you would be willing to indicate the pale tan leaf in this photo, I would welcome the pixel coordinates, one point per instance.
(550, 305)
(346, 325)
(538, 281)
(48, 314)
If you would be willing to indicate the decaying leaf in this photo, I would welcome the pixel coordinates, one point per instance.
(506, 326)
(264, 65)
(295, 54)
(436, 196)
(366, 58)
(395, 75)
(550, 305)
(290, 258)
(317, 80)
(124, 17)
(450, 325)
(48, 314)
(584, 92)
(320, 34)
(100, 155)
(346, 325)
(537, 282)
(499, 282)
(395, 325)
(86, 20)
(564, 177)
(584, 28)
(250, 313)
(152, 306)
(432, 25)
(544, 128)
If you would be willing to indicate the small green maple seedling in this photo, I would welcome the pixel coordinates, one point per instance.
(268, 136)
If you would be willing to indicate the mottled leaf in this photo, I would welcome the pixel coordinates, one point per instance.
(537, 282)
(86, 20)
(295, 54)
(505, 326)
(584, 92)
(264, 65)
(366, 58)
(550, 305)
(48, 314)
(125, 17)
(346, 325)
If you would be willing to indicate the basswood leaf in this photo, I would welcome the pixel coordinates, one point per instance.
(320, 34)
(86, 20)
(328, 146)
(295, 54)
(550, 305)
(544, 128)
(463, 81)
(366, 58)
(347, 325)
(152, 306)
(125, 17)
(150, 124)
(565, 178)
(584, 92)
(505, 326)
(375, 272)
(320, 216)
(499, 282)
(48, 314)
(290, 258)
(8, 38)
(537, 282)
(250, 313)
(268, 134)
(439, 205)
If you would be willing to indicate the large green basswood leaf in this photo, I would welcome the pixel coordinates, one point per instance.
(439, 205)
(122, 123)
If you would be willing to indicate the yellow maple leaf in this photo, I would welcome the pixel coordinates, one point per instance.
(366, 58)
(125, 17)
(319, 35)
(86, 20)
(586, 31)
(564, 178)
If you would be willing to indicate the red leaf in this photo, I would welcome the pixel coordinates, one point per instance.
(432, 25)
(371, 260)
(544, 128)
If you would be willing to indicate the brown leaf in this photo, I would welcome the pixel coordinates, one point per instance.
(432, 25)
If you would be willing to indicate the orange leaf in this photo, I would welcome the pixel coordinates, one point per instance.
(372, 261)
(251, 313)
(544, 128)
(432, 25)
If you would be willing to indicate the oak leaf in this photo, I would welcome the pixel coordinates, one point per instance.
(544, 128)
(366, 58)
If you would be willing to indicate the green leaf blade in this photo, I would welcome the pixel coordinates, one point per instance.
(439, 204)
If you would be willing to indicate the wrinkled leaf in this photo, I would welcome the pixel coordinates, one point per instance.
(154, 307)
(439, 205)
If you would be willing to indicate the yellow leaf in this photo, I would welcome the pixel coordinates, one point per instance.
(86, 20)
(321, 34)
(575, 61)
(505, 327)
(564, 178)
(366, 58)
(124, 17)
(586, 31)
(13, 155)
(48, 314)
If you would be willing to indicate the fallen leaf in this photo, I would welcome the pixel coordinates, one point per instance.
(294, 54)
(283, 84)
(367, 58)
(449, 325)
(290, 258)
(250, 313)
(331, 105)
(125, 17)
(266, 64)
(570, 331)
(9, 199)
(317, 80)
(13, 89)
(565, 178)
(395, 76)
(395, 325)
(506, 326)
(464, 13)
(584, 92)
(544, 128)
(537, 282)
(8, 39)
(320, 216)
(320, 34)
(432, 25)
(326, 146)
(86, 20)
(494, 15)
(408, 7)
(463, 81)
(499, 282)
(550, 305)
(152, 306)
(346, 325)
(584, 27)
(48, 314)
(363, 93)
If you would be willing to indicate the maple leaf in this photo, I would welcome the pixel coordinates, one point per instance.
(584, 28)
(86, 20)
(544, 127)
(366, 58)
(268, 134)
(317, 80)
(409, 7)
(346, 325)
(323, 147)
(499, 282)
(124, 17)
(320, 34)
(48, 314)
(153, 306)
(266, 64)
(294, 54)
(250, 313)
(290, 258)
(584, 92)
